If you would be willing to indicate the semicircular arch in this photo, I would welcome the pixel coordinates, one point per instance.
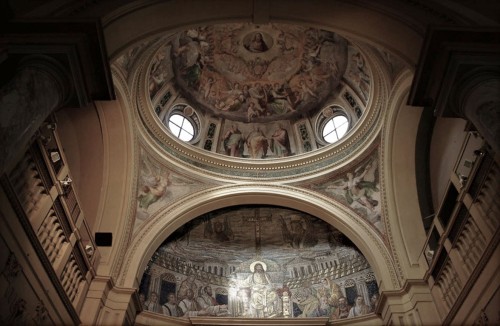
(149, 238)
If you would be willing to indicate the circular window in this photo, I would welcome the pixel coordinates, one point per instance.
(181, 127)
(335, 128)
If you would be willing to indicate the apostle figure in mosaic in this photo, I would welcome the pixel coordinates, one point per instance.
(360, 308)
(188, 284)
(342, 310)
(170, 308)
(208, 303)
(189, 306)
(152, 303)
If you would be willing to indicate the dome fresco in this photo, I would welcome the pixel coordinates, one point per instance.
(258, 91)
(258, 73)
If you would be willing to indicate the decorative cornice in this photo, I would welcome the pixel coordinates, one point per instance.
(301, 166)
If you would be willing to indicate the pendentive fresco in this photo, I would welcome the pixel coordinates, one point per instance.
(258, 262)
(158, 187)
(358, 189)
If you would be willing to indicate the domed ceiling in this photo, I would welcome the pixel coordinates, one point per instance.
(258, 73)
(247, 89)
(275, 87)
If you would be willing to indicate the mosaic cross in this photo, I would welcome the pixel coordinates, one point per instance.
(257, 219)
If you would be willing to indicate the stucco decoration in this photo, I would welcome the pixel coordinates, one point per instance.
(258, 262)
(158, 187)
(359, 189)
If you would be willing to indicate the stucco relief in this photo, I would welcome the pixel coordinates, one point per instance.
(258, 261)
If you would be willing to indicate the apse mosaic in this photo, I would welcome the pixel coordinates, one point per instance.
(358, 189)
(258, 262)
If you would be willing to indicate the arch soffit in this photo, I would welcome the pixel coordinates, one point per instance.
(169, 219)
(401, 201)
(119, 167)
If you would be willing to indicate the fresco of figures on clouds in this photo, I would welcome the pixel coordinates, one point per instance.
(258, 262)
(258, 73)
(157, 188)
(359, 189)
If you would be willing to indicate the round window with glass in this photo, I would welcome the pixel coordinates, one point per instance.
(181, 127)
(335, 128)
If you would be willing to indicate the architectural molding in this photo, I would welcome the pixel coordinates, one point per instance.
(401, 221)
(157, 230)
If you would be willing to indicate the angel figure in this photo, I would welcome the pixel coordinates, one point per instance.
(359, 187)
(154, 186)
(300, 234)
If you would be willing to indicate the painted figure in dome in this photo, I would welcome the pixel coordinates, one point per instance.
(233, 142)
(257, 44)
(280, 143)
